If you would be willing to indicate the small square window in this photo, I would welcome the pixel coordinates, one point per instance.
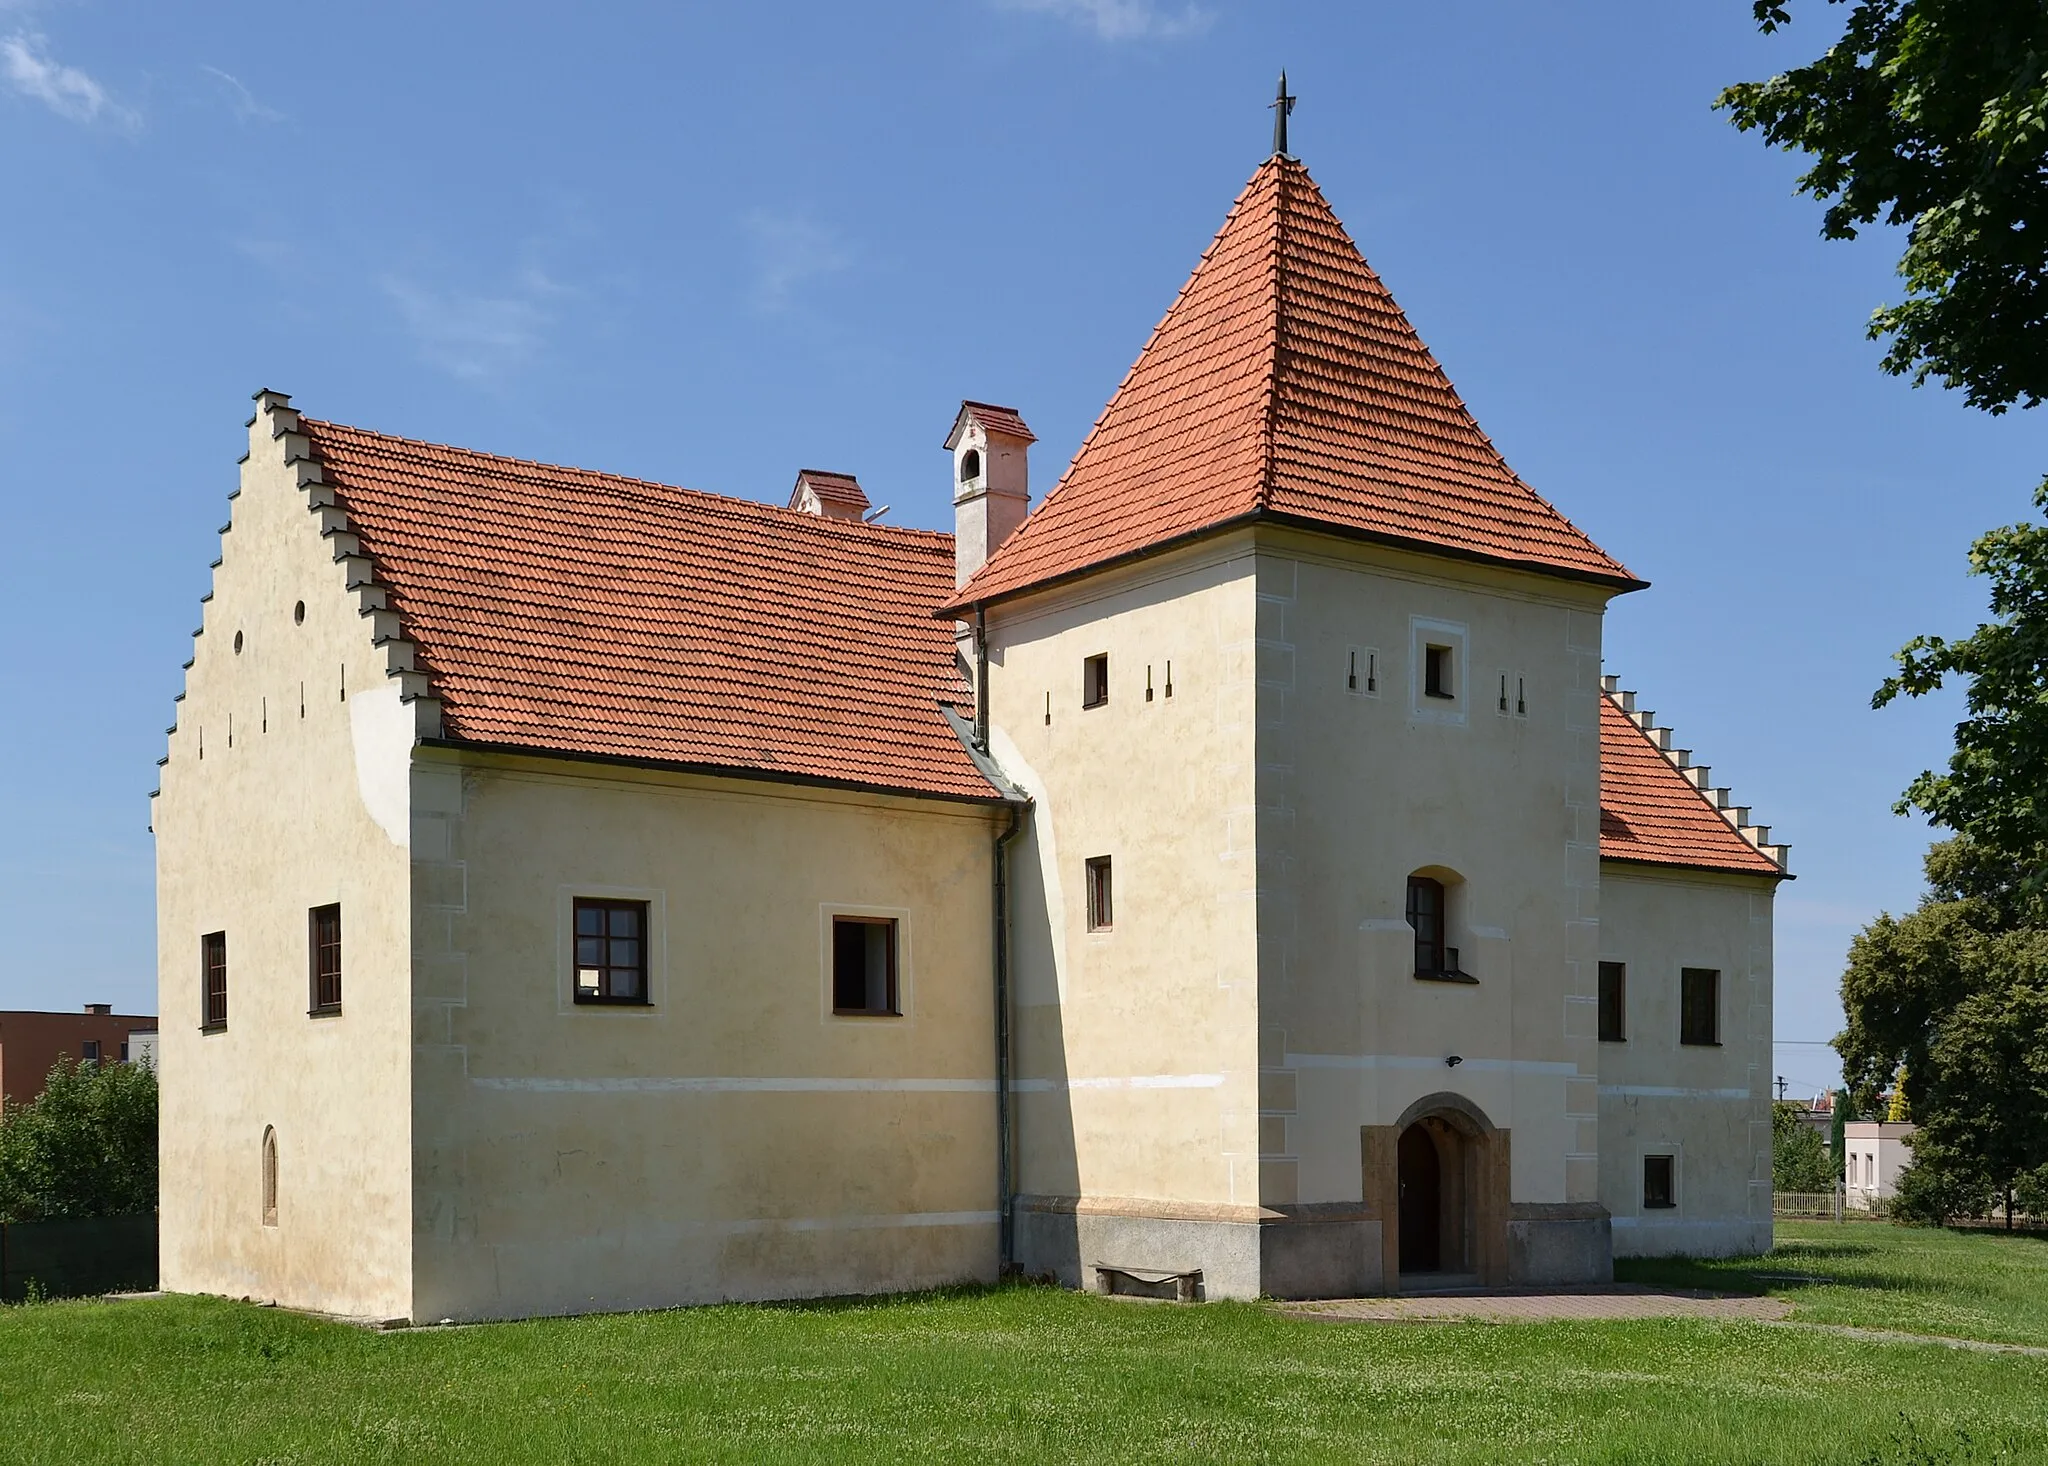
(1439, 677)
(1613, 1002)
(89, 1051)
(1699, 996)
(611, 951)
(323, 943)
(1101, 897)
(864, 966)
(213, 969)
(1095, 681)
(1658, 1189)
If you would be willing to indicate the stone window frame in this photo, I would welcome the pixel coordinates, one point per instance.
(1425, 632)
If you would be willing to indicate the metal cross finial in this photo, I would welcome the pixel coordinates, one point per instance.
(1281, 104)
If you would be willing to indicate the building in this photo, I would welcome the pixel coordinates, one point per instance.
(31, 1044)
(1873, 1154)
(1232, 876)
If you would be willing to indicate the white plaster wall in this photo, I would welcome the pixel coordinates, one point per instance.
(1709, 1107)
(297, 801)
(1359, 788)
(1878, 1150)
(733, 1139)
(1137, 1065)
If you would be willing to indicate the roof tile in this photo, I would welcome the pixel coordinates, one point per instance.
(1651, 812)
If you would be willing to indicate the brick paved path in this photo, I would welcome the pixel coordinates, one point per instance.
(1612, 1301)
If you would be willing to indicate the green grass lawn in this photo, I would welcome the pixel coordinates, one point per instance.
(1034, 1374)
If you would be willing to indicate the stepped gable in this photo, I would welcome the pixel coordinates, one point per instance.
(561, 611)
(1285, 383)
(1658, 807)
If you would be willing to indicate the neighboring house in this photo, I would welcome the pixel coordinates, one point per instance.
(579, 893)
(1873, 1154)
(31, 1043)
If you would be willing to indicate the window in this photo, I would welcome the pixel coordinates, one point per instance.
(1658, 1191)
(1699, 1006)
(1101, 895)
(1095, 681)
(611, 951)
(323, 956)
(269, 1175)
(970, 465)
(1426, 908)
(89, 1051)
(1438, 676)
(213, 967)
(1613, 1002)
(864, 966)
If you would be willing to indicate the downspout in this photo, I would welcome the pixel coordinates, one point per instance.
(1006, 1222)
(980, 678)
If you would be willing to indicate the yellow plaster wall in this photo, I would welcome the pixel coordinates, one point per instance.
(1137, 1063)
(1360, 788)
(286, 810)
(1710, 1107)
(733, 1139)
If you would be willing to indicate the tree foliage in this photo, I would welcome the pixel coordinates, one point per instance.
(1932, 115)
(1799, 1158)
(85, 1148)
(1956, 992)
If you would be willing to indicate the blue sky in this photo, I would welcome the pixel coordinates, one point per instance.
(712, 244)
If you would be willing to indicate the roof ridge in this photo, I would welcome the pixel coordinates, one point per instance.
(1719, 799)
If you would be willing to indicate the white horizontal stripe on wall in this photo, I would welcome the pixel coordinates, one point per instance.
(1666, 1091)
(1130, 1081)
(735, 1084)
(1416, 1061)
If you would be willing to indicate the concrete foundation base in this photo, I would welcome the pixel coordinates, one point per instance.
(1239, 1252)
(1551, 1246)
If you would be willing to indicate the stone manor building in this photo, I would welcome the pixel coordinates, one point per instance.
(1233, 875)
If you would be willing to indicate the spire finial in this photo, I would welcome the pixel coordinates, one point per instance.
(1281, 104)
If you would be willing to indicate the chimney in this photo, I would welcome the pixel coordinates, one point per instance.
(99, 1010)
(991, 482)
(828, 495)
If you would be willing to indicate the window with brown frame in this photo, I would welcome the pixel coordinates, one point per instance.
(864, 967)
(1659, 1178)
(1095, 681)
(1613, 1002)
(323, 958)
(1699, 1006)
(213, 981)
(1101, 895)
(611, 951)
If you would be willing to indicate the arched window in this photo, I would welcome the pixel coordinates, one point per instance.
(269, 1175)
(970, 465)
(1426, 915)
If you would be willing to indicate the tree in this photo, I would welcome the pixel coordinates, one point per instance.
(1932, 114)
(85, 1148)
(1799, 1160)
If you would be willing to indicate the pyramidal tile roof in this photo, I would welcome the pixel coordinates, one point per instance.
(1657, 806)
(565, 611)
(1284, 382)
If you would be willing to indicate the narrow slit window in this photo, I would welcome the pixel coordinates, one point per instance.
(1613, 1002)
(213, 972)
(1438, 675)
(1101, 895)
(1659, 1189)
(1699, 996)
(323, 951)
(864, 967)
(269, 1163)
(1503, 692)
(1095, 681)
(1426, 916)
(611, 951)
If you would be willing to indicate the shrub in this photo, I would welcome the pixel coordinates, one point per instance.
(85, 1148)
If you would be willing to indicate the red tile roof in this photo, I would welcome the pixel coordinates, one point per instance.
(1651, 812)
(561, 610)
(993, 419)
(1285, 381)
(833, 488)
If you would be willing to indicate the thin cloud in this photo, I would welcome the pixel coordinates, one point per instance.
(789, 252)
(241, 99)
(1120, 20)
(28, 67)
(473, 337)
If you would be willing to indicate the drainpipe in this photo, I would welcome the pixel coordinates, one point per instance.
(980, 678)
(1006, 1221)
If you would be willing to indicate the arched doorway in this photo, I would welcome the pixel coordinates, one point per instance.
(1421, 1208)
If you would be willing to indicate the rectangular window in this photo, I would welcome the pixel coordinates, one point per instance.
(89, 1051)
(611, 951)
(323, 958)
(1101, 895)
(213, 969)
(1699, 1006)
(864, 966)
(1438, 676)
(1658, 1190)
(1095, 681)
(1613, 1002)
(1426, 915)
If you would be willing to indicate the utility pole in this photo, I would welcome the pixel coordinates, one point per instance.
(1781, 1087)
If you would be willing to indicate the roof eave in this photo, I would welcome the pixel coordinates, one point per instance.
(1775, 874)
